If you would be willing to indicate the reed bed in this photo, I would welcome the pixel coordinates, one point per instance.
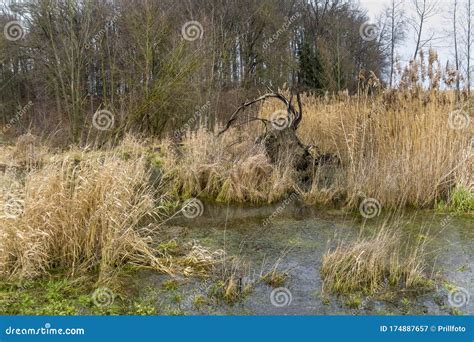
(398, 147)
(89, 213)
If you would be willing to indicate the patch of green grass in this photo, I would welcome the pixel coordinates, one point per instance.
(143, 309)
(177, 298)
(199, 301)
(63, 296)
(170, 285)
(455, 312)
(353, 301)
(405, 302)
(449, 286)
(228, 290)
(42, 297)
(461, 200)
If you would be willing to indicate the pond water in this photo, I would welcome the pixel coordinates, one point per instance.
(295, 240)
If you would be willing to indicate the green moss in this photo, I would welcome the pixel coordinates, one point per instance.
(63, 296)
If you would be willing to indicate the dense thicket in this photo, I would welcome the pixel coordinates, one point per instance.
(130, 57)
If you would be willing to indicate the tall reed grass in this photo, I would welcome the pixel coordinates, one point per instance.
(90, 213)
(396, 146)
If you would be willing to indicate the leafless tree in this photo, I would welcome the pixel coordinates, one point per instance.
(393, 31)
(456, 53)
(424, 10)
(467, 39)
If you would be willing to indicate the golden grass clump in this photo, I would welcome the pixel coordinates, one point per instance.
(227, 168)
(372, 264)
(90, 212)
(80, 215)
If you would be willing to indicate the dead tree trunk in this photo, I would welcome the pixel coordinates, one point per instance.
(280, 140)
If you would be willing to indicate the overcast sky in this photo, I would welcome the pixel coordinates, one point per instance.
(439, 23)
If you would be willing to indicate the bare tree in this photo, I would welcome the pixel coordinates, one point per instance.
(393, 31)
(467, 39)
(456, 54)
(424, 10)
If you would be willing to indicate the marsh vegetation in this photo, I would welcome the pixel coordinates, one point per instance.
(130, 187)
